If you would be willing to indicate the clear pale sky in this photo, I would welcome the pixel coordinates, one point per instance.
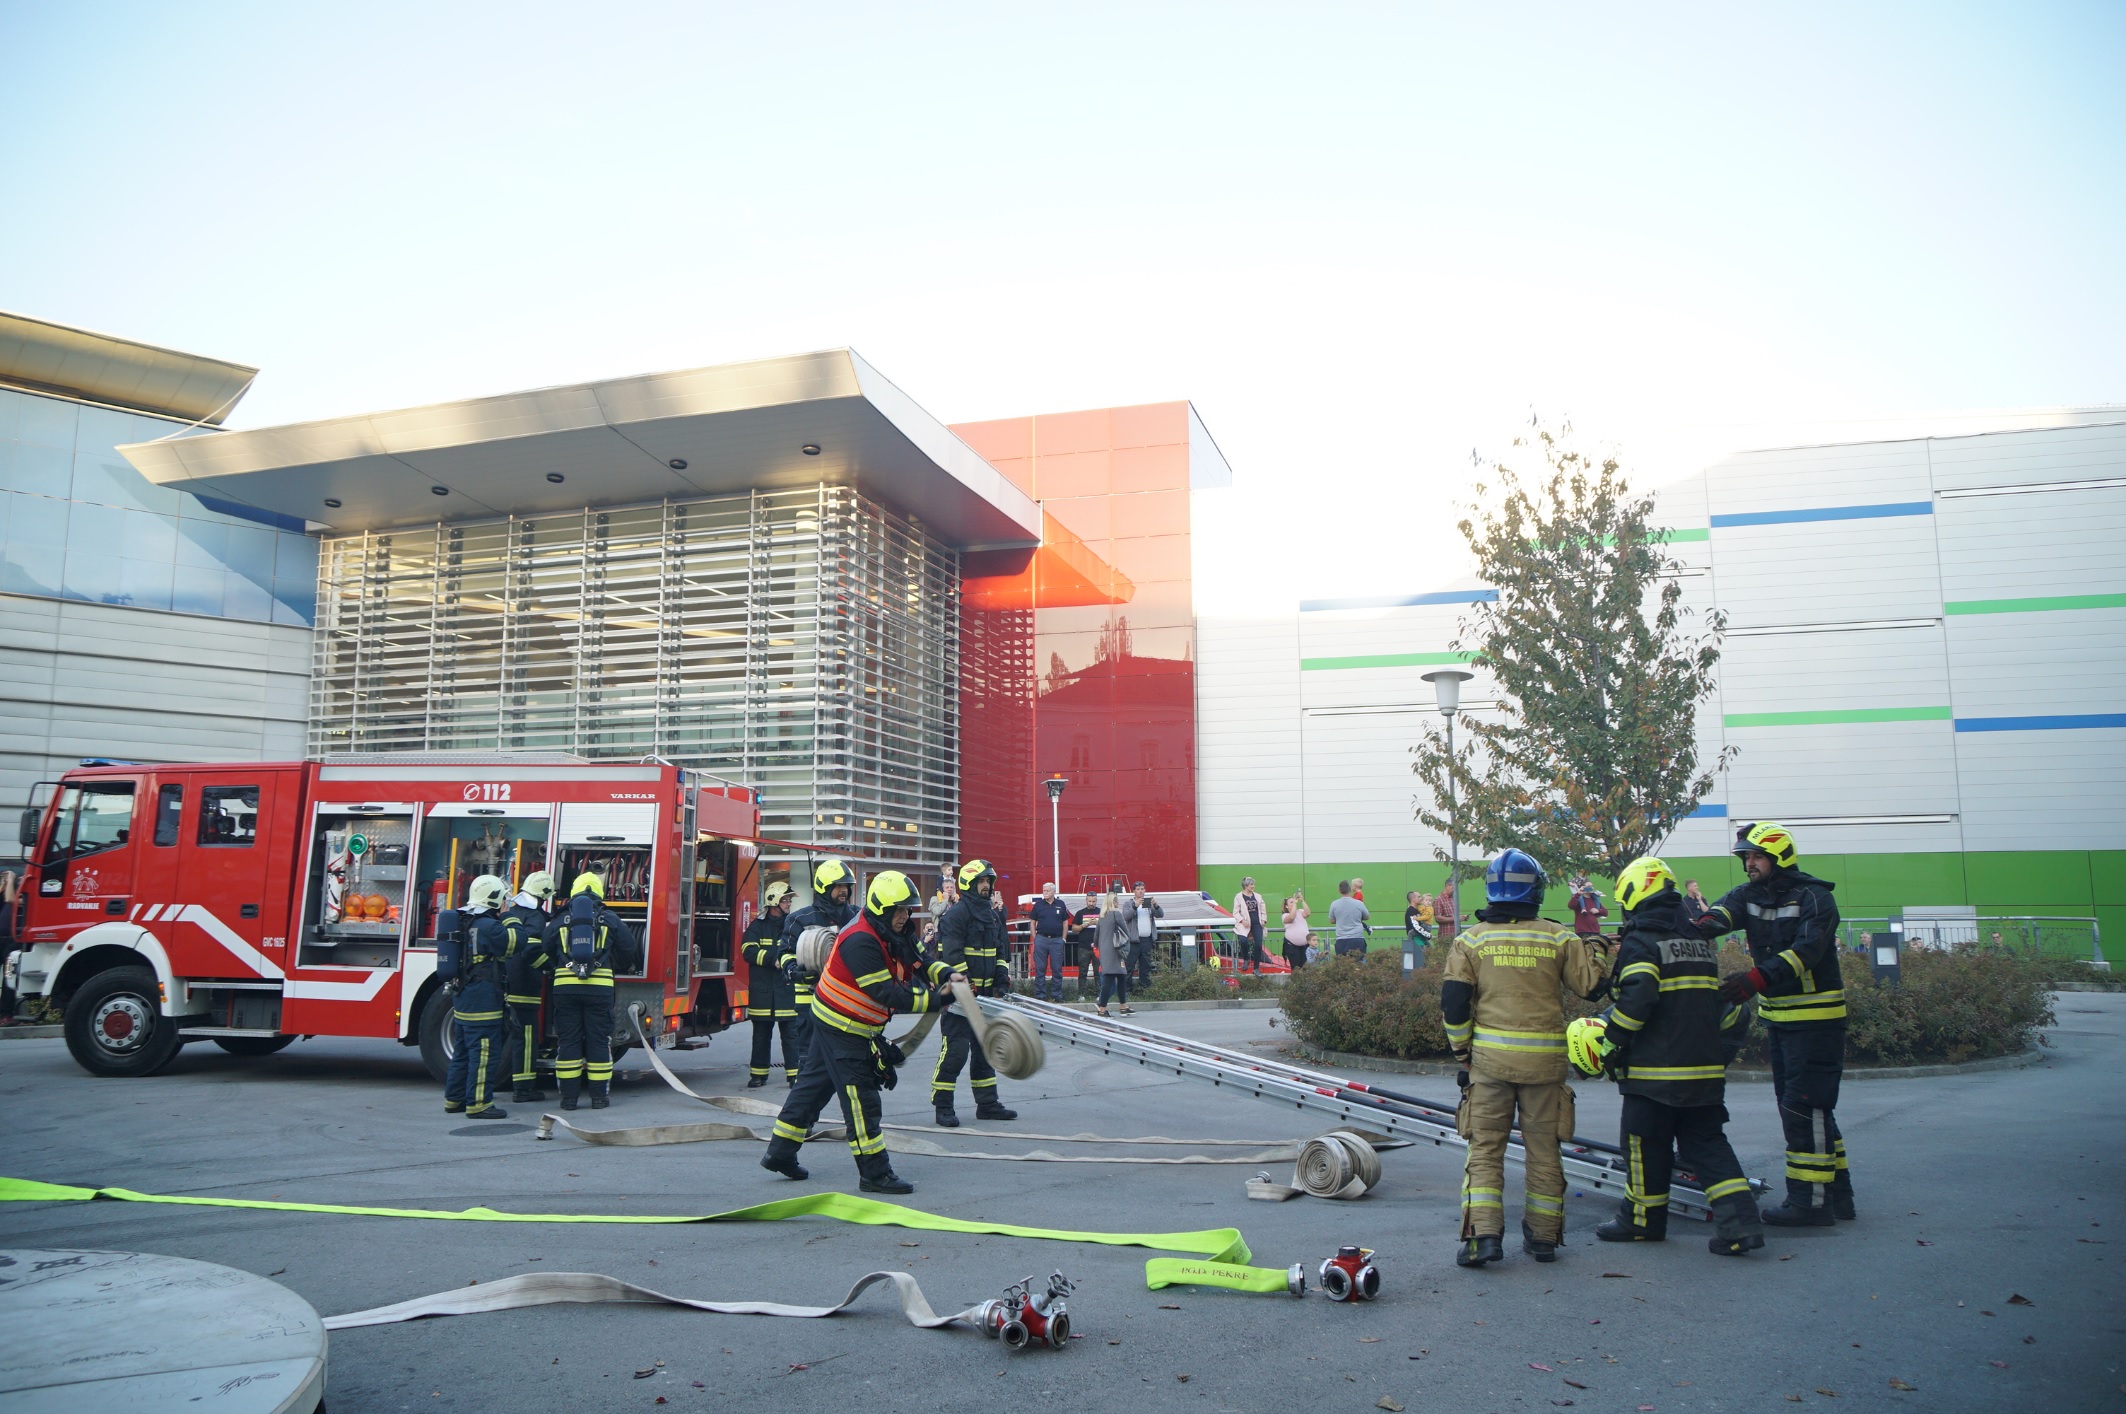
(1363, 239)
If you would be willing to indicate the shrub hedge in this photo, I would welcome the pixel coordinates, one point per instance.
(1951, 1007)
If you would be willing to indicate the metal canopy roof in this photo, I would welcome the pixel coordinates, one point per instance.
(729, 429)
(100, 368)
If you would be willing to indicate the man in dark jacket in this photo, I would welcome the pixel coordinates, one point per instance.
(524, 978)
(1669, 1038)
(1051, 920)
(970, 940)
(1792, 926)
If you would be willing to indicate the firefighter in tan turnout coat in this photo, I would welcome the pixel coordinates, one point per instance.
(1506, 1024)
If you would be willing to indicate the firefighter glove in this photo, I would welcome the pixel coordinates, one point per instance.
(1741, 986)
(791, 971)
(1461, 1078)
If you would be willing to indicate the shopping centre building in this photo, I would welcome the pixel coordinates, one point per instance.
(788, 572)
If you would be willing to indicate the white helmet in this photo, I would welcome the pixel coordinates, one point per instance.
(541, 886)
(486, 894)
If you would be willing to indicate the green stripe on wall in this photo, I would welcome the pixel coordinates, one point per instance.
(1848, 714)
(1385, 660)
(2036, 606)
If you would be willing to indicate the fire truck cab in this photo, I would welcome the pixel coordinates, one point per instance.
(256, 903)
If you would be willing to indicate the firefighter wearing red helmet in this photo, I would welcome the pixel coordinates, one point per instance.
(771, 1000)
(1792, 927)
(873, 970)
(971, 940)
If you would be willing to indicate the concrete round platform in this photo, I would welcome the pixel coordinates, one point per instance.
(129, 1331)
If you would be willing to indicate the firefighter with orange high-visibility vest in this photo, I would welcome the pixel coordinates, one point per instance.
(873, 970)
(1792, 927)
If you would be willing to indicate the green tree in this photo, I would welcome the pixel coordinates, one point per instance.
(1590, 758)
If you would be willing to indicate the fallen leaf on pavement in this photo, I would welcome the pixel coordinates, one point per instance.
(1922, 1242)
(911, 1244)
(1182, 1378)
(1575, 1384)
(1369, 1340)
(1544, 1368)
(795, 1368)
(1827, 1393)
(2020, 1300)
(698, 1384)
(1114, 1342)
(1896, 1383)
(283, 1269)
(1386, 1403)
(1787, 1258)
(1169, 1308)
(1793, 1399)
(1561, 1402)
(1615, 1275)
(645, 1374)
(1596, 1321)
(1998, 1364)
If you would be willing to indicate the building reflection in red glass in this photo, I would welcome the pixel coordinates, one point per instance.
(1078, 659)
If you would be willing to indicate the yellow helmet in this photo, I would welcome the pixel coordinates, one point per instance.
(777, 892)
(829, 873)
(1587, 1044)
(588, 882)
(889, 890)
(1767, 838)
(1641, 880)
(972, 871)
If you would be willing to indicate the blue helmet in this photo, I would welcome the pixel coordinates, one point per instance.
(1514, 877)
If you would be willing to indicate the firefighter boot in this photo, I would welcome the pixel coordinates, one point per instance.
(453, 1107)
(885, 1181)
(1737, 1227)
(785, 1164)
(946, 1119)
(1475, 1251)
(1542, 1249)
(601, 1097)
(757, 1081)
(526, 1095)
(987, 1106)
(1635, 1224)
(1793, 1214)
(491, 1112)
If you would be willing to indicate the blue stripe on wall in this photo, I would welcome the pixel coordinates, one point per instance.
(1894, 508)
(251, 513)
(2080, 722)
(1708, 812)
(1402, 601)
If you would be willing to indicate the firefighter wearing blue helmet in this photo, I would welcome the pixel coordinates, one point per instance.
(1506, 1024)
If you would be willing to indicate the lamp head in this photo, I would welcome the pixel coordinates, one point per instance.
(1447, 687)
(1055, 786)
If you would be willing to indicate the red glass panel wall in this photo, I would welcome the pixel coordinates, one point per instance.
(1079, 659)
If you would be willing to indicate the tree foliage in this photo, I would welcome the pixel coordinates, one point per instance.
(1590, 758)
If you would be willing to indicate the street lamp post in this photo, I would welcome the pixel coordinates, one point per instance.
(1447, 690)
(1055, 786)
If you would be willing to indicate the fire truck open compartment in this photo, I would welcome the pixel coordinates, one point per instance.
(613, 840)
(460, 842)
(354, 905)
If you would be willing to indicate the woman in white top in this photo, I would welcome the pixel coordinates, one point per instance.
(1296, 935)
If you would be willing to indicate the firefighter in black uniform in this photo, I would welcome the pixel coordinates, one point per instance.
(1792, 926)
(769, 997)
(1668, 1040)
(587, 940)
(469, 960)
(524, 979)
(970, 940)
(874, 970)
(833, 905)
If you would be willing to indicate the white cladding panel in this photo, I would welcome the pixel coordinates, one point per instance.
(1827, 571)
(2038, 665)
(1248, 740)
(2023, 458)
(1854, 768)
(2043, 790)
(1361, 796)
(2028, 544)
(1804, 478)
(1852, 669)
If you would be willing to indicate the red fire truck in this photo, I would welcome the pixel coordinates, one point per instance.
(252, 904)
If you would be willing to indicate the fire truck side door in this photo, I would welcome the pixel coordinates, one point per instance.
(233, 863)
(89, 868)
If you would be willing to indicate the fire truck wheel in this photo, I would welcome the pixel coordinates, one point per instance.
(115, 1027)
(253, 1045)
(435, 1036)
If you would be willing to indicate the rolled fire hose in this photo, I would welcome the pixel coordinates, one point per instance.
(592, 1288)
(1340, 1164)
(1216, 1256)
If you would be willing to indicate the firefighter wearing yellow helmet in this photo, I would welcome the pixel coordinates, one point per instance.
(833, 905)
(524, 974)
(971, 940)
(1792, 927)
(873, 970)
(1667, 1041)
(589, 942)
(770, 999)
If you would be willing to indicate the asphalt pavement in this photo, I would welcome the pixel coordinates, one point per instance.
(1979, 1276)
